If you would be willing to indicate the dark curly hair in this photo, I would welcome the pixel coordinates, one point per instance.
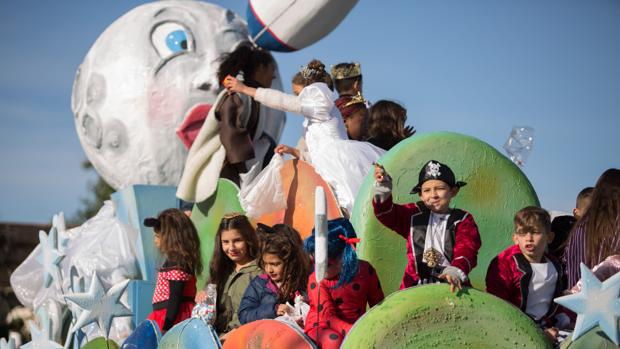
(285, 242)
(179, 240)
(245, 58)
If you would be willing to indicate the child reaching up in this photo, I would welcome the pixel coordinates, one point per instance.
(341, 162)
(442, 242)
(232, 267)
(526, 276)
(177, 239)
(285, 265)
(349, 285)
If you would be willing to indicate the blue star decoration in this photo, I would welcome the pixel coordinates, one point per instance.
(99, 305)
(597, 304)
(49, 257)
(40, 339)
(7, 345)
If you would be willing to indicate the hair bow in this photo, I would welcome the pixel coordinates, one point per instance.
(350, 241)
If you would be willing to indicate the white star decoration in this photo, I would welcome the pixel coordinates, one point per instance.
(40, 339)
(7, 345)
(597, 304)
(99, 305)
(49, 257)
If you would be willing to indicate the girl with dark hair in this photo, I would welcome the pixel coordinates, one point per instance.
(177, 239)
(596, 235)
(232, 267)
(285, 265)
(341, 162)
(349, 285)
(243, 147)
(386, 125)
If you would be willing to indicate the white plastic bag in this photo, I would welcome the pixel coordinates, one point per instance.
(265, 193)
(296, 315)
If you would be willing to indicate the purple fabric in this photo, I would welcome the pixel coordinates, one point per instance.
(575, 254)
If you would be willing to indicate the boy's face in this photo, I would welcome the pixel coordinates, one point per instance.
(437, 194)
(582, 207)
(532, 242)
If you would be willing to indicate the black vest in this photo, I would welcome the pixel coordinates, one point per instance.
(419, 224)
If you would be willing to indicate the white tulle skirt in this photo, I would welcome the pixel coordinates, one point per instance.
(343, 164)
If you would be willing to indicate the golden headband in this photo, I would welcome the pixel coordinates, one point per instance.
(345, 72)
(232, 215)
(356, 99)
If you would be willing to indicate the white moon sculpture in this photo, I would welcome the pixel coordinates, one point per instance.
(150, 75)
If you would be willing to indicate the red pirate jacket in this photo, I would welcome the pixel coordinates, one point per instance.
(509, 275)
(411, 220)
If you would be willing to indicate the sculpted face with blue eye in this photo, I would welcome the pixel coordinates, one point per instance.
(146, 86)
(171, 39)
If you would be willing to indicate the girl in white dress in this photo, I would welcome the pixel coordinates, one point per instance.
(342, 163)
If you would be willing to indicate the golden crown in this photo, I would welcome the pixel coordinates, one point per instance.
(348, 71)
(356, 99)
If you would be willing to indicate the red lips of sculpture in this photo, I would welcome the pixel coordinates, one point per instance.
(190, 127)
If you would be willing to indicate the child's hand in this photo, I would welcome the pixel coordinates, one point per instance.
(454, 276)
(380, 173)
(232, 84)
(454, 282)
(281, 309)
(285, 149)
(552, 334)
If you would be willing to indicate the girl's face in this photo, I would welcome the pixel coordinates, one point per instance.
(274, 267)
(333, 267)
(157, 239)
(265, 74)
(297, 89)
(234, 246)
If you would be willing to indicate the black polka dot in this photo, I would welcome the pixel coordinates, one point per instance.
(359, 311)
(313, 285)
(371, 270)
(320, 307)
(344, 333)
(333, 336)
(316, 324)
(338, 301)
(356, 287)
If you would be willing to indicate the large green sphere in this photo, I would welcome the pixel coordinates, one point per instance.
(496, 189)
(431, 316)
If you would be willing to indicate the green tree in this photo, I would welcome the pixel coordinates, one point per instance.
(99, 192)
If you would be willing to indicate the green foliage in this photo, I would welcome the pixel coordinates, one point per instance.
(99, 192)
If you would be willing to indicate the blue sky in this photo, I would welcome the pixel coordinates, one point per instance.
(474, 67)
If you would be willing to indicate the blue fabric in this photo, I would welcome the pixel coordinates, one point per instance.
(267, 40)
(258, 302)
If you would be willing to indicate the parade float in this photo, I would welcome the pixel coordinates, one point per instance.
(140, 98)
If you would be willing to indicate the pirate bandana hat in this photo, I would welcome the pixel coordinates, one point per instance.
(436, 170)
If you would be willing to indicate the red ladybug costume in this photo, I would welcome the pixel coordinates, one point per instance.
(340, 307)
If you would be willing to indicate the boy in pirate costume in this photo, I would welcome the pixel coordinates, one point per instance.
(442, 242)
